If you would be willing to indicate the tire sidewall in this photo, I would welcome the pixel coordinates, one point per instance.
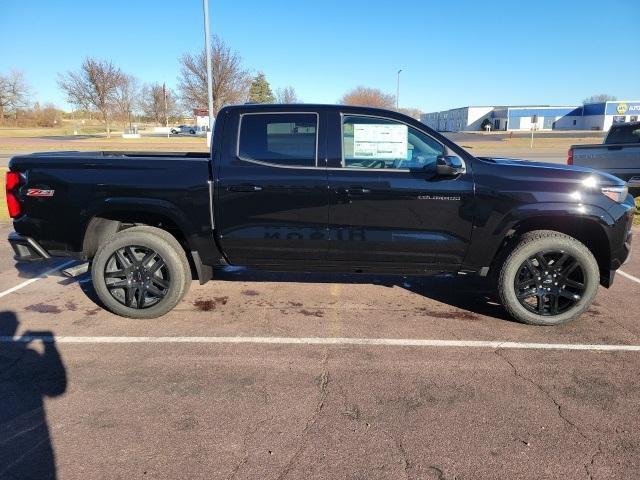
(521, 253)
(171, 257)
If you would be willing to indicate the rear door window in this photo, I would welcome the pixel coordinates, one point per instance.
(287, 139)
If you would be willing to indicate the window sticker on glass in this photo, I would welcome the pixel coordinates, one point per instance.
(379, 141)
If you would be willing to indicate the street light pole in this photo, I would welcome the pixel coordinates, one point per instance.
(207, 48)
(398, 90)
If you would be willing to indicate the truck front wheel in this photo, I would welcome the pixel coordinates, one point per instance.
(141, 272)
(548, 279)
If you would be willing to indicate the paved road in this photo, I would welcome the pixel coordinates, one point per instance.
(184, 407)
(498, 137)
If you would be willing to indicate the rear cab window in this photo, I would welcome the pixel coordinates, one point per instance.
(282, 139)
(624, 134)
(380, 143)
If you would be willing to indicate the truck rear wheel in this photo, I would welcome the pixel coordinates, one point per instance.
(141, 272)
(548, 279)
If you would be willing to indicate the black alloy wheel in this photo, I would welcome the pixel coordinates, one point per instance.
(550, 282)
(137, 277)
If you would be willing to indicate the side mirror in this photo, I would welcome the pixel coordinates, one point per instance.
(450, 165)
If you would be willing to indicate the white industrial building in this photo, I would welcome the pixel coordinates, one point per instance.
(456, 119)
(593, 116)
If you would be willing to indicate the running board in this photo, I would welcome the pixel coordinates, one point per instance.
(76, 270)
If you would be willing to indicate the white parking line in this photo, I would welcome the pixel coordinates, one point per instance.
(32, 280)
(630, 277)
(388, 342)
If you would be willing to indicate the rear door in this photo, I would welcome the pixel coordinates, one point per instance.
(388, 206)
(272, 202)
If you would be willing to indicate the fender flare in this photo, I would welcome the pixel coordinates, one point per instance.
(140, 205)
(527, 212)
(487, 240)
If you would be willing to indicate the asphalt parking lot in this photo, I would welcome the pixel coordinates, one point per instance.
(277, 376)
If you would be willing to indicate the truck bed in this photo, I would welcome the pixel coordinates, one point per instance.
(84, 183)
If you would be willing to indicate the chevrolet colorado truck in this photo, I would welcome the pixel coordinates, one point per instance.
(618, 155)
(322, 188)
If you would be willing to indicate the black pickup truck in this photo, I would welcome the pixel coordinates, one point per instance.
(322, 188)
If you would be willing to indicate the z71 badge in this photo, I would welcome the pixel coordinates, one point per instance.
(37, 192)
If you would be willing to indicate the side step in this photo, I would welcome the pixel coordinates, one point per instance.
(76, 270)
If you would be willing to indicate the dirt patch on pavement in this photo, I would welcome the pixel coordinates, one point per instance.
(43, 308)
(250, 293)
(452, 315)
(71, 306)
(206, 305)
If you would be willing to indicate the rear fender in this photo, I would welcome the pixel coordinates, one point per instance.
(198, 240)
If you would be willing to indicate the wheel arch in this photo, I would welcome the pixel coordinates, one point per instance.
(114, 215)
(587, 230)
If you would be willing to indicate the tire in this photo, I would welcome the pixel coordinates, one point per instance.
(565, 284)
(155, 287)
(192, 132)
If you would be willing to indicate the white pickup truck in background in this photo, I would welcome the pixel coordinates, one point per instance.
(618, 155)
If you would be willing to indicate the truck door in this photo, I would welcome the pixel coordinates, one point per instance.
(271, 203)
(388, 205)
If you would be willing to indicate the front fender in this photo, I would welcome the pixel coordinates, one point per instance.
(488, 238)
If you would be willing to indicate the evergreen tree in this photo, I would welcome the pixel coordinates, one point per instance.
(260, 90)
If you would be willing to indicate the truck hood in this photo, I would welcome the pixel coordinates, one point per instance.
(568, 172)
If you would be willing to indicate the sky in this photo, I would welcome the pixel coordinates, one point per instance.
(452, 53)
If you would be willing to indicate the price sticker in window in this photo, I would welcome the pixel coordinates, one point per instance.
(383, 142)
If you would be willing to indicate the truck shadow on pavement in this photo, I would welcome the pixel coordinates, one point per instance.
(26, 377)
(468, 294)
(28, 270)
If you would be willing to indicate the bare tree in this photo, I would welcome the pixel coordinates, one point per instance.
(38, 116)
(287, 95)
(93, 85)
(126, 98)
(154, 106)
(368, 97)
(601, 98)
(14, 93)
(411, 112)
(230, 80)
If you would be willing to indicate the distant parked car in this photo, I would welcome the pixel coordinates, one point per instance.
(618, 155)
(183, 129)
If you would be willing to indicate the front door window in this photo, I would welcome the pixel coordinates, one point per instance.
(371, 142)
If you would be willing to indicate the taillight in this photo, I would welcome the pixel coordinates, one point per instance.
(570, 157)
(12, 182)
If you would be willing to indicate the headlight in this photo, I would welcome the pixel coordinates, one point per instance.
(617, 194)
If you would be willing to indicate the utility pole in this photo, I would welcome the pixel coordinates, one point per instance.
(398, 90)
(207, 48)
